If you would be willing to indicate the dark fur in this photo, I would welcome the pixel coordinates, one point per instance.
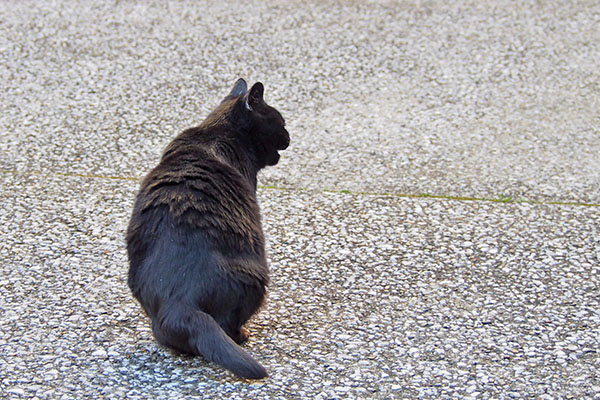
(195, 241)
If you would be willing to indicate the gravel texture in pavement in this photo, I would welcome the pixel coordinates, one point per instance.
(371, 296)
(386, 281)
(484, 98)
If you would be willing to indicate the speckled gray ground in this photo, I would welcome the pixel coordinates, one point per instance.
(381, 295)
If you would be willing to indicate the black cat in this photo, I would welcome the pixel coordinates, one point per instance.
(195, 241)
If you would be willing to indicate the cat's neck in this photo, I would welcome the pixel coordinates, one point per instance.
(240, 155)
(224, 143)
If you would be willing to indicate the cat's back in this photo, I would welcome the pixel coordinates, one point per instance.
(193, 210)
(201, 191)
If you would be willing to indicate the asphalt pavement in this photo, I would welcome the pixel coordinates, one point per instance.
(433, 229)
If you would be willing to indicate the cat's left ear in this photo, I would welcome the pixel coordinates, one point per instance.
(239, 88)
(254, 96)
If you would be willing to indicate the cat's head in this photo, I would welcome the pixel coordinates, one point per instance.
(267, 126)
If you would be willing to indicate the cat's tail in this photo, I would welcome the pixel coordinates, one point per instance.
(206, 338)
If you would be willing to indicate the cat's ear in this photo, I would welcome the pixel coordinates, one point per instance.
(254, 96)
(239, 88)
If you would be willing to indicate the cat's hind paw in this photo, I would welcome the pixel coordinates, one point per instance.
(243, 336)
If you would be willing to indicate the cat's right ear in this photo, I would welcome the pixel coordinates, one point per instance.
(254, 97)
(239, 89)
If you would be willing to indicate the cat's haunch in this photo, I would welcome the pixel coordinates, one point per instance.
(197, 261)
